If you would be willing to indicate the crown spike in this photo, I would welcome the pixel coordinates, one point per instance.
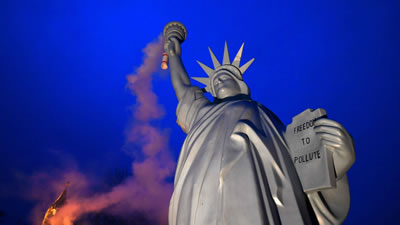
(238, 57)
(203, 80)
(226, 59)
(214, 59)
(245, 66)
(206, 69)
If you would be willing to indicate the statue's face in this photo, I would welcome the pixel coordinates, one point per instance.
(225, 86)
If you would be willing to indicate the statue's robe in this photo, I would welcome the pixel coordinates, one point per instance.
(234, 167)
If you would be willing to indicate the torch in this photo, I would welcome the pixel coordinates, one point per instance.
(176, 30)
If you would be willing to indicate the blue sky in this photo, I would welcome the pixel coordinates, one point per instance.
(64, 65)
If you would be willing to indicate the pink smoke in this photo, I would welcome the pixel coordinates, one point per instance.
(147, 190)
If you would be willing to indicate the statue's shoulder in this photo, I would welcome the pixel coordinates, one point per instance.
(249, 105)
(247, 109)
(272, 116)
(254, 109)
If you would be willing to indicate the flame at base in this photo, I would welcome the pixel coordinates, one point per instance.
(52, 210)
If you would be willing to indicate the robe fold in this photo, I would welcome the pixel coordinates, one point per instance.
(234, 167)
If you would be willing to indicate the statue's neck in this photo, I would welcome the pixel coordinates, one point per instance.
(232, 98)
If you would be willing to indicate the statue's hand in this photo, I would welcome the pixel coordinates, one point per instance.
(172, 47)
(336, 139)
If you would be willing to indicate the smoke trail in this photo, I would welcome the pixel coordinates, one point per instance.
(147, 191)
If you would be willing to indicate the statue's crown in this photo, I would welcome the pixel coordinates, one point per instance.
(235, 69)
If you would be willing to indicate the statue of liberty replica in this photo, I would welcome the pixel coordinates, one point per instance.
(236, 166)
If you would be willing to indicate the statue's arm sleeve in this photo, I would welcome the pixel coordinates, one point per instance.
(187, 112)
(331, 206)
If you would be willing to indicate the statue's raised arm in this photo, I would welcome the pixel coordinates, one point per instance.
(174, 35)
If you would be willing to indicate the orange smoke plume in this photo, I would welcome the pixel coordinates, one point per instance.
(147, 191)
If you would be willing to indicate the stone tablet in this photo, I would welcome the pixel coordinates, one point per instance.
(313, 162)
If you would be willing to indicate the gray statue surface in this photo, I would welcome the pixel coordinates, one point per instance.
(235, 166)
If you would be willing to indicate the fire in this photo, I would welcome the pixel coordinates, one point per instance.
(59, 202)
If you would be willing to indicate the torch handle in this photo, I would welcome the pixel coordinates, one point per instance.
(164, 62)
